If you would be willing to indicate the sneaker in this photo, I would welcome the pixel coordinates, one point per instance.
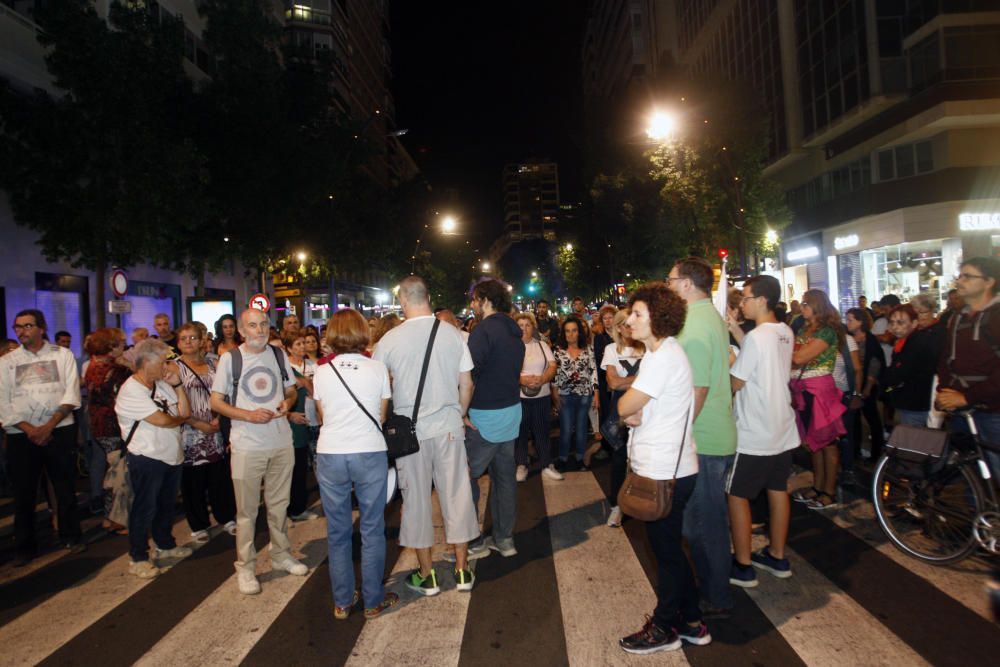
(200, 536)
(464, 580)
(390, 600)
(817, 504)
(698, 636)
(75, 547)
(651, 639)
(424, 585)
(247, 582)
(805, 495)
(176, 552)
(763, 560)
(615, 518)
(476, 551)
(230, 527)
(290, 565)
(305, 516)
(505, 548)
(866, 453)
(341, 613)
(143, 569)
(742, 575)
(551, 472)
(522, 473)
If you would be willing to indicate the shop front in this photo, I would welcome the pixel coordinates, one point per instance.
(803, 267)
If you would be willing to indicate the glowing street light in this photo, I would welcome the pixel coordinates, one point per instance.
(569, 246)
(301, 256)
(486, 266)
(534, 274)
(661, 126)
(449, 224)
(771, 236)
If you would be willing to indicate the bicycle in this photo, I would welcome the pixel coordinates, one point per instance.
(939, 509)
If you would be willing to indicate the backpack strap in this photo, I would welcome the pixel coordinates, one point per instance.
(237, 370)
(280, 358)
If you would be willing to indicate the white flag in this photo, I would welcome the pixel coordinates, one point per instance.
(722, 294)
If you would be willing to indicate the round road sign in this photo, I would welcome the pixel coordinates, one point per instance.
(119, 283)
(260, 302)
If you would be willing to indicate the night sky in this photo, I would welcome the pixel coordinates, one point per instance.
(482, 84)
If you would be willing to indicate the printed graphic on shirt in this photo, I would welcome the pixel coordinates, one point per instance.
(260, 385)
(37, 372)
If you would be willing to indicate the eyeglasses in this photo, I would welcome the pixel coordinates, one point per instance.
(747, 298)
(25, 327)
(189, 338)
(970, 276)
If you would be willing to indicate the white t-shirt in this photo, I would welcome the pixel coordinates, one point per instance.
(135, 403)
(402, 351)
(346, 429)
(537, 357)
(665, 376)
(260, 387)
(765, 420)
(619, 360)
(839, 370)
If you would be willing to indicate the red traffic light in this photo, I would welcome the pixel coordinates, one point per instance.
(723, 253)
(621, 289)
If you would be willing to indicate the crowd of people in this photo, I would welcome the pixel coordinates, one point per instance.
(716, 403)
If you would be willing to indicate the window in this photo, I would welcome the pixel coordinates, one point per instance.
(905, 164)
(905, 161)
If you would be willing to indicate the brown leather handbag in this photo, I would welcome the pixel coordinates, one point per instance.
(650, 499)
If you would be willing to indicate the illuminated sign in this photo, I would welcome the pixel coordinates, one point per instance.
(848, 241)
(803, 253)
(978, 222)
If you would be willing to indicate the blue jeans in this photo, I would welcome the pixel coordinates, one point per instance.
(498, 459)
(154, 485)
(912, 417)
(573, 411)
(988, 425)
(336, 474)
(706, 527)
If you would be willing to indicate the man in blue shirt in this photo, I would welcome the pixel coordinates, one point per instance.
(494, 417)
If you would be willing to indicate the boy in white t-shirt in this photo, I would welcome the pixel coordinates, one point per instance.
(766, 433)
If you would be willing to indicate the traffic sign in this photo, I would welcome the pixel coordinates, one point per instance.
(119, 283)
(119, 307)
(260, 302)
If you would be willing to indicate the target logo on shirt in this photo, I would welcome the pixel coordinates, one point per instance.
(260, 385)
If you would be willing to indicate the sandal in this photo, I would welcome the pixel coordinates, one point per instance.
(817, 504)
(806, 495)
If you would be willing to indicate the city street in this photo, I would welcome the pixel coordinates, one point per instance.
(575, 586)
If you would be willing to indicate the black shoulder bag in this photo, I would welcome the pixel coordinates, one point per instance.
(400, 431)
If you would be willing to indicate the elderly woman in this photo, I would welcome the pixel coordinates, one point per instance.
(537, 372)
(103, 378)
(910, 375)
(205, 476)
(304, 369)
(352, 398)
(926, 308)
(659, 408)
(620, 365)
(151, 407)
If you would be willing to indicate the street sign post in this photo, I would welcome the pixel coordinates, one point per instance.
(260, 302)
(118, 306)
(119, 283)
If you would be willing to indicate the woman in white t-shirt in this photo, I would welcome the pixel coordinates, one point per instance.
(351, 453)
(537, 372)
(620, 364)
(658, 406)
(151, 406)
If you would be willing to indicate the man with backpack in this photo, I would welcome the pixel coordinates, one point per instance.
(255, 388)
(969, 368)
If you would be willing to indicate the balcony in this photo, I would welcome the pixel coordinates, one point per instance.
(304, 14)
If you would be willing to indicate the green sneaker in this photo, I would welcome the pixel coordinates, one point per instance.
(464, 580)
(424, 585)
(390, 600)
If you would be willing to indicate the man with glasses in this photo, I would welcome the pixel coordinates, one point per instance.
(969, 368)
(39, 389)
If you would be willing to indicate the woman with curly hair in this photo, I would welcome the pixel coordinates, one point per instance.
(659, 408)
(817, 401)
(227, 336)
(576, 376)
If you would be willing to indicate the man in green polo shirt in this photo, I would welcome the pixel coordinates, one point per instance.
(705, 339)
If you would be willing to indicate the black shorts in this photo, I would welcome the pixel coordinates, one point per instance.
(752, 474)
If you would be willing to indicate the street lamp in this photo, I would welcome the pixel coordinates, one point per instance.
(301, 256)
(449, 224)
(661, 126)
(486, 267)
(569, 246)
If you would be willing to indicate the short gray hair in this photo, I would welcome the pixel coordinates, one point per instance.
(925, 301)
(414, 290)
(149, 349)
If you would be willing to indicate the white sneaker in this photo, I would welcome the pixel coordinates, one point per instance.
(552, 473)
(143, 569)
(200, 536)
(522, 473)
(230, 527)
(176, 552)
(290, 565)
(247, 582)
(305, 516)
(615, 518)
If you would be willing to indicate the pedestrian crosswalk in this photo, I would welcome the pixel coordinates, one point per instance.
(574, 588)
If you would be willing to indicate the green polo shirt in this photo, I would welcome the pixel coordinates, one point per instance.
(705, 339)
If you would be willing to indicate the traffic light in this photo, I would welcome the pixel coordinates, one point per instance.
(620, 288)
(723, 253)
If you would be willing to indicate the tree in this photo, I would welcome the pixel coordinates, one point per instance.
(102, 171)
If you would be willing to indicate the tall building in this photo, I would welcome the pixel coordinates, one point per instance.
(531, 199)
(884, 131)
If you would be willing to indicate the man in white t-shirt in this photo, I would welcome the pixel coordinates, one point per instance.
(766, 433)
(261, 442)
(442, 457)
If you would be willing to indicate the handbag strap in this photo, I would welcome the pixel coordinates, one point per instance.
(135, 424)
(197, 377)
(683, 439)
(363, 409)
(423, 371)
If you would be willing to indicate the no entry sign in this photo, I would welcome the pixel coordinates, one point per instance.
(260, 302)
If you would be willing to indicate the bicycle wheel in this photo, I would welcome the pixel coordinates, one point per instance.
(929, 518)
